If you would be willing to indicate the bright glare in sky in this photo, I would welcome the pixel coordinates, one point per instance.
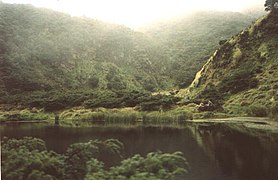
(135, 13)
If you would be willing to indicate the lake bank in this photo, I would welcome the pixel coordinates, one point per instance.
(258, 126)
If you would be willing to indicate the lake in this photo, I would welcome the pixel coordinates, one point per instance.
(213, 152)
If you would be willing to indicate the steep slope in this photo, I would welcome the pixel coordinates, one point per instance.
(44, 50)
(189, 41)
(242, 74)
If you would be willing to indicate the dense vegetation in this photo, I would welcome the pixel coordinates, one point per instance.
(28, 158)
(271, 5)
(50, 61)
(57, 100)
(45, 50)
(56, 60)
(94, 72)
(189, 41)
(242, 74)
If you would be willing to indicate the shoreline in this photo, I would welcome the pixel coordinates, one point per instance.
(261, 124)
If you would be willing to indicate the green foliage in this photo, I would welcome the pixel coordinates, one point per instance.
(56, 100)
(239, 80)
(169, 117)
(257, 111)
(47, 50)
(271, 5)
(189, 41)
(154, 166)
(80, 53)
(158, 102)
(146, 101)
(29, 143)
(95, 170)
(212, 93)
(260, 110)
(133, 98)
(117, 99)
(28, 158)
(125, 116)
(241, 74)
(105, 99)
(93, 82)
(273, 111)
(25, 115)
(237, 54)
(79, 154)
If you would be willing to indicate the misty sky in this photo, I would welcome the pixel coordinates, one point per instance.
(135, 13)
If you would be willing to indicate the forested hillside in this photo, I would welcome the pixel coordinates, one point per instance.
(43, 50)
(52, 60)
(242, 75)
(189, 41)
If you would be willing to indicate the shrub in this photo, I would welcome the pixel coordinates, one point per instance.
(93, 82)
(257, 111)
(273, 110)
(211, 93)
(155, 165)
(158, 102)
(28, 115)
(78, 154)
(106, 102)
(238, 81)
(28, 158)
(237, 54)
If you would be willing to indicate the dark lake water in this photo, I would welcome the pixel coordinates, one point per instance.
(213, 153)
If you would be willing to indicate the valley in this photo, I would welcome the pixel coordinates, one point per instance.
(192, 97)
(51, 62)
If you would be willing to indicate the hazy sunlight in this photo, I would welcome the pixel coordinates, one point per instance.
(134, 13)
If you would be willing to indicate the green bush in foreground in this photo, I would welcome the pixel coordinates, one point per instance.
(79, 153)
(155, 165)
(28, 158)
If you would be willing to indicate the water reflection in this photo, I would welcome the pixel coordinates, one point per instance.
(240, 155)
(213, 152)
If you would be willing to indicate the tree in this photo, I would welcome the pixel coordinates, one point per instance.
(78, 154)
(155, 166)
(28, 158)
(271, 5)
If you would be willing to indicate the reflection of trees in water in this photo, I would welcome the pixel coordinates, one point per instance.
(240, 155)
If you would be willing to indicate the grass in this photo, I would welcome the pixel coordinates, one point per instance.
(82, 117)
(259, 102)
(237, 54)
(25, 115)
(127, 116)
(87, 117)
